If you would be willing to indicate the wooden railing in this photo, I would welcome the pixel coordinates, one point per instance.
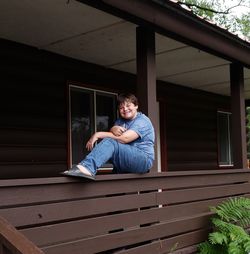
(12, 241)
(130, 214)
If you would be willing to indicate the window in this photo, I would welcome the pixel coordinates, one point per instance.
(90, 111)
(224, 139)
(248, 131)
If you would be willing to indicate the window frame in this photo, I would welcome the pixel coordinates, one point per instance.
(229, 138)
(69, 118)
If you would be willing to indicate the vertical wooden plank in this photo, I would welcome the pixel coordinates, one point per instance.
(146, 78)
(163, 130)
(238, 116)
(15, 241)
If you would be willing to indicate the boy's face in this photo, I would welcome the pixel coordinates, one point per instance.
(128, 110)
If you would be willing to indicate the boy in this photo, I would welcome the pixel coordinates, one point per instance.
(129, 144)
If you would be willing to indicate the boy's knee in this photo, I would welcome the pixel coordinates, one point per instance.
(110, 140)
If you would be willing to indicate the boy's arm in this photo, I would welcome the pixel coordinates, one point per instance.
(126, 137)
(118, 130)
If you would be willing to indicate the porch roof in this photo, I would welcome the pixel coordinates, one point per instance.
(82, 32)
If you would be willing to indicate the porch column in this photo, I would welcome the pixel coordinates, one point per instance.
(146, 79)
(238, 116)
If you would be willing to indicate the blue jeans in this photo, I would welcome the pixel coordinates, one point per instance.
(125, 158)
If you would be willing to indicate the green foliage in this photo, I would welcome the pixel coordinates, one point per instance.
(229, 236)
(224, 13)
(201, 8)
(244, 23)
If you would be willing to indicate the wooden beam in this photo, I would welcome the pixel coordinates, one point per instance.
(146, 78)
(12, 241)
(238, 116)
(163, 136)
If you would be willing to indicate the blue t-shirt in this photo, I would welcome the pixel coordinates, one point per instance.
(142, 125)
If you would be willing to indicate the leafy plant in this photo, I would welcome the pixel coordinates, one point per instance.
(229, 235)
(232, 15)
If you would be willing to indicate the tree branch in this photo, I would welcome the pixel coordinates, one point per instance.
(190, 5)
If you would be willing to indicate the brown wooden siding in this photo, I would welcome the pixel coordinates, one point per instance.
(33, 123)
(190, 119)
(134, 214)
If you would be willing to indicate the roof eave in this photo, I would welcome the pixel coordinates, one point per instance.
(173, 20)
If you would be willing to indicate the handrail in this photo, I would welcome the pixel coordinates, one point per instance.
(114, 177)
(14, 241)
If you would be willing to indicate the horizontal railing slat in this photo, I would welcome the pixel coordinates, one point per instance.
(126, 214)
(63, 211)
(48, 234)
(171, 244)
(129, 237)
(194, 194)
(56, 212)
(65, 190)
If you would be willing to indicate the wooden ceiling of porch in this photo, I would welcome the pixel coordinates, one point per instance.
(72, 29)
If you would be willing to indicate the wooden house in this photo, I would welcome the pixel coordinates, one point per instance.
(63, 64)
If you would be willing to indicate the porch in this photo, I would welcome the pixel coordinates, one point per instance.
(152, 213)
(177, 64)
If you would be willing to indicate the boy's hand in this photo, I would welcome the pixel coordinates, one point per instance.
(91, 142)
(118, 130)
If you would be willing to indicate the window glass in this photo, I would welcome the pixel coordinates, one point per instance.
(90, 111)
(82, 122)
(248, 131)
(105, 111)
(224, 139)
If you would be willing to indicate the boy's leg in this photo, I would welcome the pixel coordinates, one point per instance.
(126, 158)
(100, 154)
(129, 159)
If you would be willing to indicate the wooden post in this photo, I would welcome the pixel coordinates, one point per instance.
(238, 116)
(146, 79)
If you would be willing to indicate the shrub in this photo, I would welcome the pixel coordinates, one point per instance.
(228, 235)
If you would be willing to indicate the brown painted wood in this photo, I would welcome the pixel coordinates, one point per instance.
(190, 131)
(163, 136)
(48, 234)
(33, 130)
(14, 242)
(66, 188)
(170, 244)
(238, 116)
(130, 237)
(146, 78)
(64, 215)
(47, 213)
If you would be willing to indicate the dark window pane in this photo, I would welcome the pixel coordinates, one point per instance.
(105, 111)
(82, 122)
(224, 138)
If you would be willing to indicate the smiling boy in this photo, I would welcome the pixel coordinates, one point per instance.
(129, 144)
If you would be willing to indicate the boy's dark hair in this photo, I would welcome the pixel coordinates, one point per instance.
(124, 97)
